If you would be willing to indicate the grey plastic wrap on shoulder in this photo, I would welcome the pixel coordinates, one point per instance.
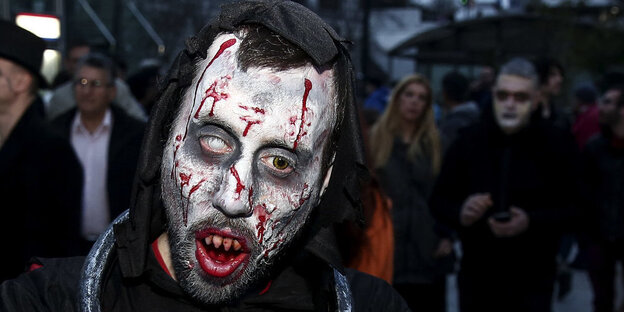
(343, 292)
(94, 267)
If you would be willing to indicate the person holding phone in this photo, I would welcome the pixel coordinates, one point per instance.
(507, 187)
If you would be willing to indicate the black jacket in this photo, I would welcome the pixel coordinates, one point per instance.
(40, 189)
(303, 280)
(123, 154)
(533, 169)
(603, 177)
(54, 287)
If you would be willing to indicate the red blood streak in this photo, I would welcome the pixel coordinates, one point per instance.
(239, 185)
(224, 46)
(304, 109)
(185, 180)
(250, 197)
(263, 216)
(266, 252)
(179, 137)
(196, 187)
(256, 110)
(302, 199)
(212, 93)
(249, 124)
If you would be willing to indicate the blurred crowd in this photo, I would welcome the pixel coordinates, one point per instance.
(496, 178)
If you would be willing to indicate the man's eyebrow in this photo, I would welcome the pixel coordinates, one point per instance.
(300, 151)
(218, 122)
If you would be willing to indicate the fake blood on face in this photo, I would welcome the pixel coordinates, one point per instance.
(239, 185)
(304, 109)
(222, 48)
(263, 216)
(211, 92)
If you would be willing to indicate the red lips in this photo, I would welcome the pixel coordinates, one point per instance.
(220, 253)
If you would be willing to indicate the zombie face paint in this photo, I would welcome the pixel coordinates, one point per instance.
(242, 169)
(514, 99)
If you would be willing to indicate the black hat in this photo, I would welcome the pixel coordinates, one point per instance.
(23, 48)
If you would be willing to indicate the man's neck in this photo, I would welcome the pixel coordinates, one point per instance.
(165, 252)
(11, 115)
(92, 121)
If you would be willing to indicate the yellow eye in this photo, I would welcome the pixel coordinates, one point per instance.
(280, 163)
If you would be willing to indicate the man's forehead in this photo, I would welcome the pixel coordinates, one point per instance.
(514, 82)
(261, 86)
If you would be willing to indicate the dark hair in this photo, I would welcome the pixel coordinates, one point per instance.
(543, 67)
(99, 61)
(261, 47)
(586, 94)
(455, 86)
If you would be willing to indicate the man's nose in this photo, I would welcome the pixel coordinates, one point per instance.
(234, 197)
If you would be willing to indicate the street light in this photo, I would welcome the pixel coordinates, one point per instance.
(43, 25)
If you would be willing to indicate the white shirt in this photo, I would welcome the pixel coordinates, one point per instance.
(92, 151)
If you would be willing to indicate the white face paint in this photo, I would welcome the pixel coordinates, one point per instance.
(514, 99)
(242, 169)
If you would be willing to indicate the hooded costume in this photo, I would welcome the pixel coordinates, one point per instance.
(122, 272)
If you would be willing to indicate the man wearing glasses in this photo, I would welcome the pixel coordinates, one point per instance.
(106, 141)
(507, 188)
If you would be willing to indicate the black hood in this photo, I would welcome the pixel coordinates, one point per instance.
(306, 30)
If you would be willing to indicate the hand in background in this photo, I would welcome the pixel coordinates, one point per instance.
(518, 223)
(445, 247)
(474, 207)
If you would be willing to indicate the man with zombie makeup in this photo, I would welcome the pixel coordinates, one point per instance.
(506, 187)
(253, 154)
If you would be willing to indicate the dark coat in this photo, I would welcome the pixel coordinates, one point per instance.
(54, 287)
(408, 183)
(40, 187)
(123, 154)
(533, 169)
(603, 177)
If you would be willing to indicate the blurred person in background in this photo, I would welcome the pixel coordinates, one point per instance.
(107, 142)
(460, 111)
(75, 51)
(603, 160)
(505, 186)
(63, 97)
(550, 73)
(144, 85)
(406, 153)
(586, 124)
(40, 177)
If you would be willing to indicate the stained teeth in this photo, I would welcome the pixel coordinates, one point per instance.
(227, 242)
(217, 240)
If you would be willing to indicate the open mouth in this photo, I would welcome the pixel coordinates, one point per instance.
(220, 253)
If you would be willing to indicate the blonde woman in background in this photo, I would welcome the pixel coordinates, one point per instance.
(406, 153)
